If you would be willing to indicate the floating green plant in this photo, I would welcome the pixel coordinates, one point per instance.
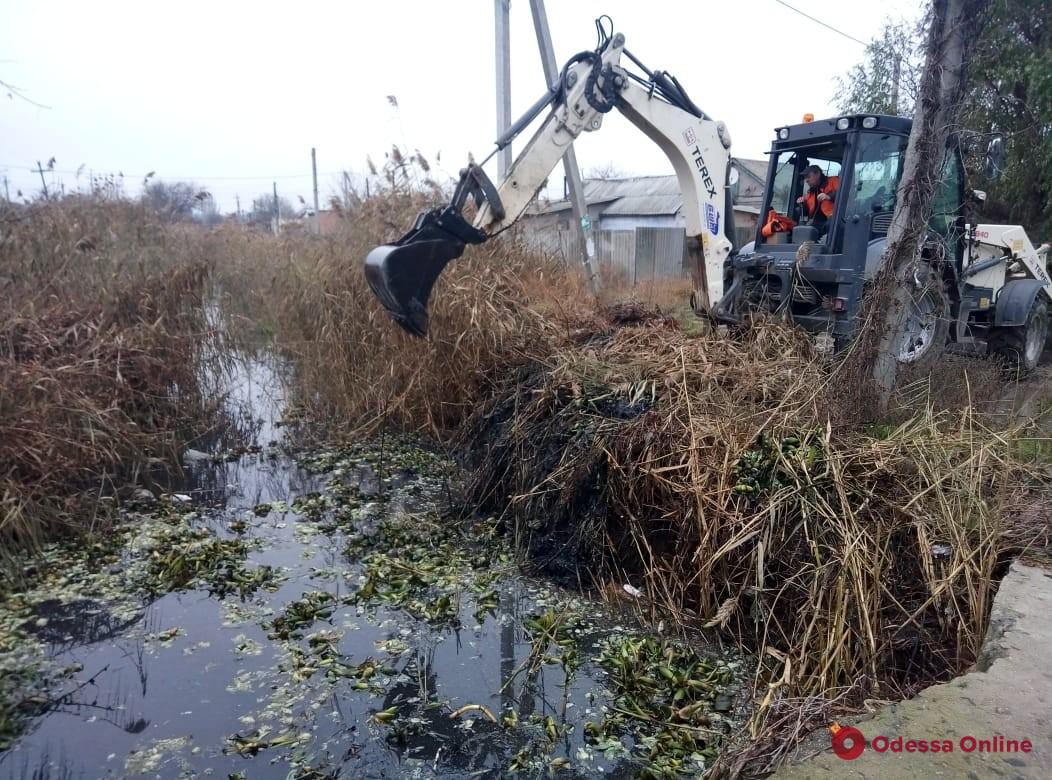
(669, 699)
(301, 614)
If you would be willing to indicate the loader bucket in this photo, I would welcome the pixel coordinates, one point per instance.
(402, 275)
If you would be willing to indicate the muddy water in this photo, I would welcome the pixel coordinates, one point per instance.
(335, 629)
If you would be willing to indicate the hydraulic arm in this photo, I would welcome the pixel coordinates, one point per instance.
(591, 84)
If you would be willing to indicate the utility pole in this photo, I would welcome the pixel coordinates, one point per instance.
(314, 172)
(237, 201)
(40, 170)
(502, 39)
(277, 211)
(573, 174)
(7, 192)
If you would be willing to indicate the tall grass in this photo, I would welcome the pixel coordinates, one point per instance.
(100, 315)
(722, 475)
(354, 366)
(729, 475)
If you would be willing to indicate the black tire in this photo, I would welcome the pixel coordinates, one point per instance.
(919, 335)
(899, 349)
(1019, 349)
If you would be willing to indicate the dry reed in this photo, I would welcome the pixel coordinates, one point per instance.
(354, 366)
(720, 475)
(101, 313)
(725, 474)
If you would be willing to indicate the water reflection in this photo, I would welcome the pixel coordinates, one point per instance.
(64, 625)
(46, 767)
(170, 704)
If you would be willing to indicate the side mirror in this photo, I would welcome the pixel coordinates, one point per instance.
(994, 164)
(733, 180)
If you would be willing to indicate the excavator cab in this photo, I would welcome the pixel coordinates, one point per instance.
(815, 273)
(787, 187)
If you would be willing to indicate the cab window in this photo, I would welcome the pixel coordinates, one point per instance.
(946, 204)
(782, 191)
(829, 167)
(788, 186)
(875, 176)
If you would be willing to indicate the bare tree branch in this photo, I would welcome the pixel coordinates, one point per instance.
(15, 92)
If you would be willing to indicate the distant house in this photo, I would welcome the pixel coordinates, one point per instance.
(752, 178)
(639, 223)
(329, 221)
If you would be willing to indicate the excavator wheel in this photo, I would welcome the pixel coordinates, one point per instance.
(1019, 348)
(921, 330)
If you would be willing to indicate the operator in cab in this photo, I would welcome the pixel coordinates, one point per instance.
(820, 197)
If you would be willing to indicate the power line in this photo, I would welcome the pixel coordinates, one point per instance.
(11, 166)
(819, 21)
(13, 91)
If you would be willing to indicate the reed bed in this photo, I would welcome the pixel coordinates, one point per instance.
(355, 368)
(730, 476)
(100, 318)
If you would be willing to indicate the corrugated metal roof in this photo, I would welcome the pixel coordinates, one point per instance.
(757, 168)
(564, 205)
(637, 186)
(640, 205)
(599, 191)
(640, 195)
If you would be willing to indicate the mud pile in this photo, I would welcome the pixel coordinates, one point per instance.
(723, 474)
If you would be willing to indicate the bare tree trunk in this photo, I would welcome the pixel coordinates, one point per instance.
(954, 26)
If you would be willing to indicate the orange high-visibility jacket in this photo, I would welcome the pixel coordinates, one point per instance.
(829, 186)
(776, 223)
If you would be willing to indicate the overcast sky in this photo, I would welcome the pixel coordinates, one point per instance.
(233, 95)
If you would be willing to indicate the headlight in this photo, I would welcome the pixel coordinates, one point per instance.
(783, 133)
(724, 134)
(843, 123)
(869, 122)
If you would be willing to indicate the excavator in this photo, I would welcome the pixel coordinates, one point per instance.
(981, 286)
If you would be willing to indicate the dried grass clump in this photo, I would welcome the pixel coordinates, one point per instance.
(490, 309)
(722, 477)
(100, 315)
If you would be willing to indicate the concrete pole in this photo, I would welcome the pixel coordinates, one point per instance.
(314, 172)
(40, 170)
(277, 211)
(573, 174)
(502, 48)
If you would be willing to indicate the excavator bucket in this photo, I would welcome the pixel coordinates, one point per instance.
(402, 274)
(401, 277)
